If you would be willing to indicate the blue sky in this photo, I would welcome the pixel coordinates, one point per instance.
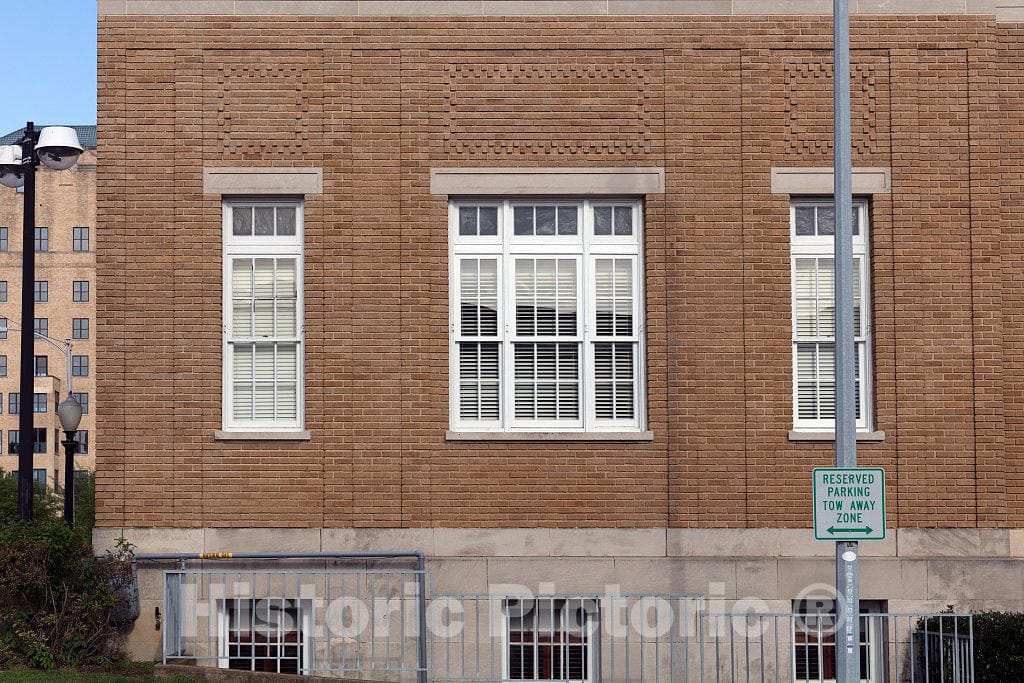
(49, 75)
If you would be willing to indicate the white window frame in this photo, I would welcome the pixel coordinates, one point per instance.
(304, 612)
(591, 635)
(824, 247)
(585, 248)
(873, 637)
(241, 247)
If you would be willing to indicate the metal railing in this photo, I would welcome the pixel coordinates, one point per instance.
(801, 648)
(367, 623)
(324, 621)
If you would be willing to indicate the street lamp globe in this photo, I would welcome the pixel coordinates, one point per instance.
(10, 166)
(69, 412)
(58, 148)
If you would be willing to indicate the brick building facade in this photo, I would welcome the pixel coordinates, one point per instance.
(66, 258)
(383, 124)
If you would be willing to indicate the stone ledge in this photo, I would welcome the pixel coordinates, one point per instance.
(595, 437)
(300, 435)
(652, 542)
(514, 181)
(1003, 10)
(263, 181)
(803, 180)
(862, 437)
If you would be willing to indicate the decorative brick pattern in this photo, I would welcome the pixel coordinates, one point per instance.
(263, 104)
(552, 106)
(809, 125)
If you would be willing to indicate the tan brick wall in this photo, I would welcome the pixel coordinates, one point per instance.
(717, 102)
(65, 200)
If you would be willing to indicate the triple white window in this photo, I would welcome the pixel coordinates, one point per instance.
(812, 235)
(263, 326)
(546, 315)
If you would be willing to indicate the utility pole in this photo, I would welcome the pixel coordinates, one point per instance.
(847, 571)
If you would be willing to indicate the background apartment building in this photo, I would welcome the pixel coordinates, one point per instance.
(65, 309)
(543, 290)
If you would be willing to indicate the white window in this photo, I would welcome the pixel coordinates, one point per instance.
(263, 326)
(812, 237)
(546, 315)
(814, 641)
(265, 634)
(549, 639)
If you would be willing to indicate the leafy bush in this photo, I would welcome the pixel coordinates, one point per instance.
(998, 652)
(56, 598)
(998, 636)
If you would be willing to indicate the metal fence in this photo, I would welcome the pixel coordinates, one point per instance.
(609, 638)
(893, 648)
(383, 624)
(362, 622)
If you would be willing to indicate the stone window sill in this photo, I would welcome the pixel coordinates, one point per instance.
(862, 437)
(298, 435)
(595, 437)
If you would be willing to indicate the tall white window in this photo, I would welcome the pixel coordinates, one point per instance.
(546, 315)
(263, 325)
(812, 235)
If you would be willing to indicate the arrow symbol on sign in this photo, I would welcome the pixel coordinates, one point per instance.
(857, 530)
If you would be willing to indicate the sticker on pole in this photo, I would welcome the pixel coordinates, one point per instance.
(849, 504)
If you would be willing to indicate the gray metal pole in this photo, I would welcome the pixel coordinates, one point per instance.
(847, 578)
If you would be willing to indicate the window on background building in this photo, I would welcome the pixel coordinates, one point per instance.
(546, 316)
(39, 440)
(814, 641)
(42, 326)
(81, 475)
(549, 639)
(270, 634)
(3, 367)
(39, 403)
(42, 239)
(39, 476)
(83, 400)
(82, 435)
(13, 403)
(3, 328)
(263, 315)
(812, 243)
(40, 366)
(12, 441)
(3, 291)
(80, 238)
(80, 328)
(4, 245)
(80, 291)
(79, 366)
(41, 292)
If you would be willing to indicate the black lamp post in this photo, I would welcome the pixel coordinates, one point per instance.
(69, 412)
(56, 148)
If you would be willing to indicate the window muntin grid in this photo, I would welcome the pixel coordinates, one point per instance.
(547, 287)
(812, 229)
(263, 315)
(80, 239)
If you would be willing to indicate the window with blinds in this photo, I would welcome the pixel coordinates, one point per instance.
(814, 314)
(546, 316)
(263, 315)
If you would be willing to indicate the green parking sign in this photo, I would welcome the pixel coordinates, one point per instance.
(849, 504)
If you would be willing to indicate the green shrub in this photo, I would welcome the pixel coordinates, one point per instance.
(998, 647)
(56, 597)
